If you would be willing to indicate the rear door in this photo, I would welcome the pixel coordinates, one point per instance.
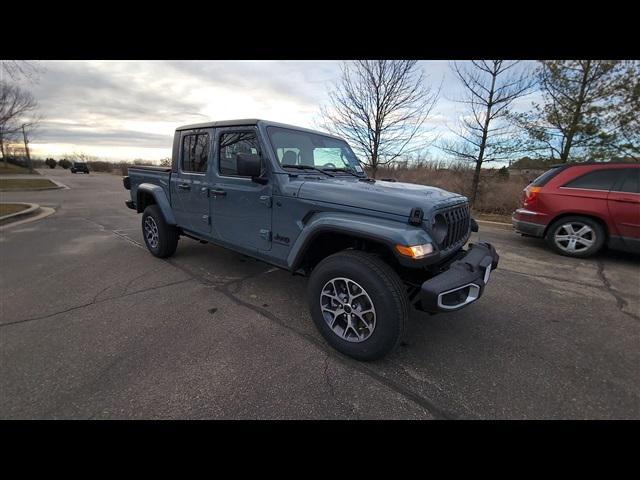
(624, 205)
(588, 193)
(241, 208)
(190, 182)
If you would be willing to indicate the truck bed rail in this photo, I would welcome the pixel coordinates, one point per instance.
(151, 168)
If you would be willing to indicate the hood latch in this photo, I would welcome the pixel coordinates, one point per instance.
(415, 217)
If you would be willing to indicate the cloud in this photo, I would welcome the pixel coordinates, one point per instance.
(122, 107)
(53, 132)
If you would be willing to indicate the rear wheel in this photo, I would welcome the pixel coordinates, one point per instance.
(161, 239)
(358, 304)
(576, 236)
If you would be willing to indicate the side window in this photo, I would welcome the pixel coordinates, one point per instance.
(231, 144)
(631, 181)
(195, 153)
(597, 180)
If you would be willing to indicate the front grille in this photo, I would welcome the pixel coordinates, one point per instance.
(458, 222)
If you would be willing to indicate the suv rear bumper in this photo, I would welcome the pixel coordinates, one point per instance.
(528, 222)
(528, 228)
(463, 283)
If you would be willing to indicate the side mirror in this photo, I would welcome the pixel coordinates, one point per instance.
(249, 165)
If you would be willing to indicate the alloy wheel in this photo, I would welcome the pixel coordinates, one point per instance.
(151, 232)
(574, 237)
(348, 309)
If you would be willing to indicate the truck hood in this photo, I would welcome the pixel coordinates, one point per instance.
(389, 197)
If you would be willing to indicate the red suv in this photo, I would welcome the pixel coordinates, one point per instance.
(579, 207)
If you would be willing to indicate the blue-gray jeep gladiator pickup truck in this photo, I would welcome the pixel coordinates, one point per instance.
(300, 200)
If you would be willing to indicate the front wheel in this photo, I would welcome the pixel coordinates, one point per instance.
(576, 236)
(358, 303)
(161, 239)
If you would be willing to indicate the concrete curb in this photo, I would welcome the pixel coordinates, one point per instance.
(38, 214)
(60, 185)
(31, 208)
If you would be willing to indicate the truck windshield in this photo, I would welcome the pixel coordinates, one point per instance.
(295, 147)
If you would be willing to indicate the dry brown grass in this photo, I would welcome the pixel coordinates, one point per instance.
(12, 184)
(11, 168)
(498, 194)
(121, 168)
(9, 208)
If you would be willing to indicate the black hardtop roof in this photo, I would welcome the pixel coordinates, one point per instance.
(247, 122)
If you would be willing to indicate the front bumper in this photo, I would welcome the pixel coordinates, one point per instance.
(462, 283)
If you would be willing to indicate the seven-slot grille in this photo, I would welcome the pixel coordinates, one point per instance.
(458, 222)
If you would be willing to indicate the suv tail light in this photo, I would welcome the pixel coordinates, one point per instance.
(530, 196)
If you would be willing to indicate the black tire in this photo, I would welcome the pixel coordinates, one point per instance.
(385, 290)
(165, 242)
(596, 236)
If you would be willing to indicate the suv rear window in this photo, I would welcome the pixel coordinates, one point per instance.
(596, 180)
(631, 181)
(542, 180)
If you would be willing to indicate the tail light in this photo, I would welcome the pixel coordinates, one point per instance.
(530, 196)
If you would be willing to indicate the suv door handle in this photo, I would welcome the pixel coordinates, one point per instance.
(184, 186)
(218, 192)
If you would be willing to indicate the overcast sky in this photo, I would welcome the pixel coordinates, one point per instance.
(129, 109)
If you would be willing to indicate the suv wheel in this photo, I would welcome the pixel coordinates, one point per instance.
(576, 236)
(161, 239)
(358, 304)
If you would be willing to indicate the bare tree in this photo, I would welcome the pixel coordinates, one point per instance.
(15, 105)
(486, 133)
(380, 107)
(16, 70)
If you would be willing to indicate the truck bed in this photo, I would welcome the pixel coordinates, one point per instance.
(159, 176)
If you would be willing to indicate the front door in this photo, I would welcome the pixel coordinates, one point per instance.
(241, 208)
(189, 184)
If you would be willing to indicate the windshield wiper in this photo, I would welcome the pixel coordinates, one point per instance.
(306, 167)
(347, 170)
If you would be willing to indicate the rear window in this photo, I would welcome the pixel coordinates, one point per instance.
(596, 180)
(631, 181)
(195, 153)
(542, 180)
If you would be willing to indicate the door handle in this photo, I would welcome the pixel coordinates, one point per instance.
(184, 186)
(218, 192)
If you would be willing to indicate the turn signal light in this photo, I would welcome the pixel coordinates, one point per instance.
(415, 252)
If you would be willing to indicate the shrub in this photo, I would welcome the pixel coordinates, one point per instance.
(499, 191)
(50, 162)
(64, 163)
(100, 166)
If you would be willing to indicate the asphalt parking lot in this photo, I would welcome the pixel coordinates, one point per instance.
(93, 326)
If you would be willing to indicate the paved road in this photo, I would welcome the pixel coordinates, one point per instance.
(92, 326)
